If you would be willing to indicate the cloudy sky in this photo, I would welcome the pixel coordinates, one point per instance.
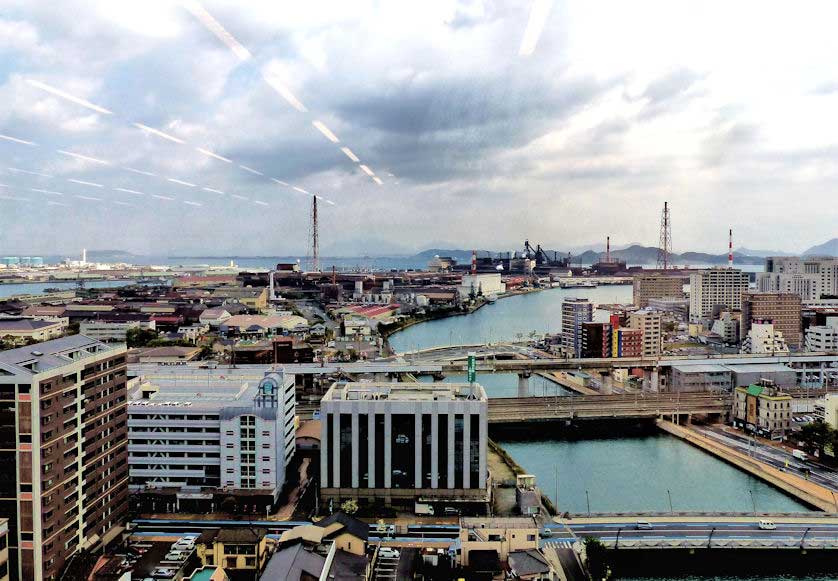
(725, 109)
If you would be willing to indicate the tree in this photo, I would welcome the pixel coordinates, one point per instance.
(230, 505)
(597, 559)
(349, 507)
(136, 337)
(816, 436)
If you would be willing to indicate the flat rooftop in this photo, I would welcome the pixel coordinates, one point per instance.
(405, 391)
(49, 355)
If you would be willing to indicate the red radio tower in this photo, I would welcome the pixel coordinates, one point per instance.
(665, 245)
(730, 249)
(473, 262)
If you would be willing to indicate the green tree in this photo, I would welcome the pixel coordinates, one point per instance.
(597, 559)
(350, 506)
(136, 337)
(816, 436)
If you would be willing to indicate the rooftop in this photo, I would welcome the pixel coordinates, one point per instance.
(49, 355)
(22, 324)
(395, 391)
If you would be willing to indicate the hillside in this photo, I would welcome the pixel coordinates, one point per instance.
(829, 248)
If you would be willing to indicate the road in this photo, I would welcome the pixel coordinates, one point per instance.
(715, 533)
(773, 455)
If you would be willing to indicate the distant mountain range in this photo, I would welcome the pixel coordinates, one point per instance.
(634, 254)
(829, 248)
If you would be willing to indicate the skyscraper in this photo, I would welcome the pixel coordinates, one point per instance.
(716, 287)
(575, 311)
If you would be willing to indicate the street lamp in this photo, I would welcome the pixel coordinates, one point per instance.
(588, 501)
(753, 501)
(669, 495)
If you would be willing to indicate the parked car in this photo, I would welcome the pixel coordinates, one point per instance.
(767, 525)
(388, 553)
(644, 525)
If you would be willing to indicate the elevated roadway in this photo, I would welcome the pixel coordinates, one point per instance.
(517, 410)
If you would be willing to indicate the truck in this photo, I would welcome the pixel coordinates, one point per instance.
(422, 508)
(799, 454)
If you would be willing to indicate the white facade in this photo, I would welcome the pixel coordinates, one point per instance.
(764, 339)
(112, 331)
(402, 435)
(807, 277)
(487, 284)
(716, 286)
(212, 435)
(822, 338)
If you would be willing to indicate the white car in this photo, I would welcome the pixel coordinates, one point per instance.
(767, 525)
(388, 553)
(175, 556)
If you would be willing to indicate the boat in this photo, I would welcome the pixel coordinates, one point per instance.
(578, 284)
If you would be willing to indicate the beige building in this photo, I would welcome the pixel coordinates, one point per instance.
(509, 544)
(782, 309)
(763, 410)
(20, 329)
(716, 287)
(826, 410)
(764, 339)
(649, 323)
(657, 286)
(234, 549)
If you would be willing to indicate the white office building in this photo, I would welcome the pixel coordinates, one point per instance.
(397, 443)
(822, 338)
(193, 443)
(810, 278)
(764, 339)
(716, 287)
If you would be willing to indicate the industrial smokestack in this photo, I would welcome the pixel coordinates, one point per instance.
(730, 249)
(473, 262)
(608, 249)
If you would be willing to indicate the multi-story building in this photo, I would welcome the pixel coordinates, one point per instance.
(762, 409)
(764, 339)
(826, 410)
(822, 338)
(626, 342)
(575, 312)
(193, 444)
(17, 330)
(716, 287)
(649, 323)
(64, 448)
(116, 331)
(657, 286)
(481, 284)
(397, 443)
(783, 309)
(596, 339)
(809, 278)
(727, 327)
(677, 308)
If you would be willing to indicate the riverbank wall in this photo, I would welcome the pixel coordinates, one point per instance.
(807, 492)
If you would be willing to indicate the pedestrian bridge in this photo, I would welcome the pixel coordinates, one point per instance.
(517, 410)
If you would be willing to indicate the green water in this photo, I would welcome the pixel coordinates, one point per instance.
(506, 320)
(506, 384)
(634, 474)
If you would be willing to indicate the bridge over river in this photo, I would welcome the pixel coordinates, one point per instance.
(516, 410)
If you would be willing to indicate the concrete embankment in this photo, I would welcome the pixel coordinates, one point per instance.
(565, 381)
(796, 486)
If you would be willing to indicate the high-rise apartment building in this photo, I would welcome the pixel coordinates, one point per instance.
(575, 311)
(596, 340)
(397, 443)
(822, 338)
(626, 342)
(716, 287)
(764, 339)
(194, 443)
(649, 323)
(809, 278)
(657, 286)
(64, 483)
(783, 309)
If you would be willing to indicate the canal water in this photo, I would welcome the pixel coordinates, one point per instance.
(619, 473)
(508, 319)
(32, 288)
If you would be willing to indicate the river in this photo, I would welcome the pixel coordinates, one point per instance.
(507, 319)
(31, 288)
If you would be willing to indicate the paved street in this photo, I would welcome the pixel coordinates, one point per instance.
(772, 454)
